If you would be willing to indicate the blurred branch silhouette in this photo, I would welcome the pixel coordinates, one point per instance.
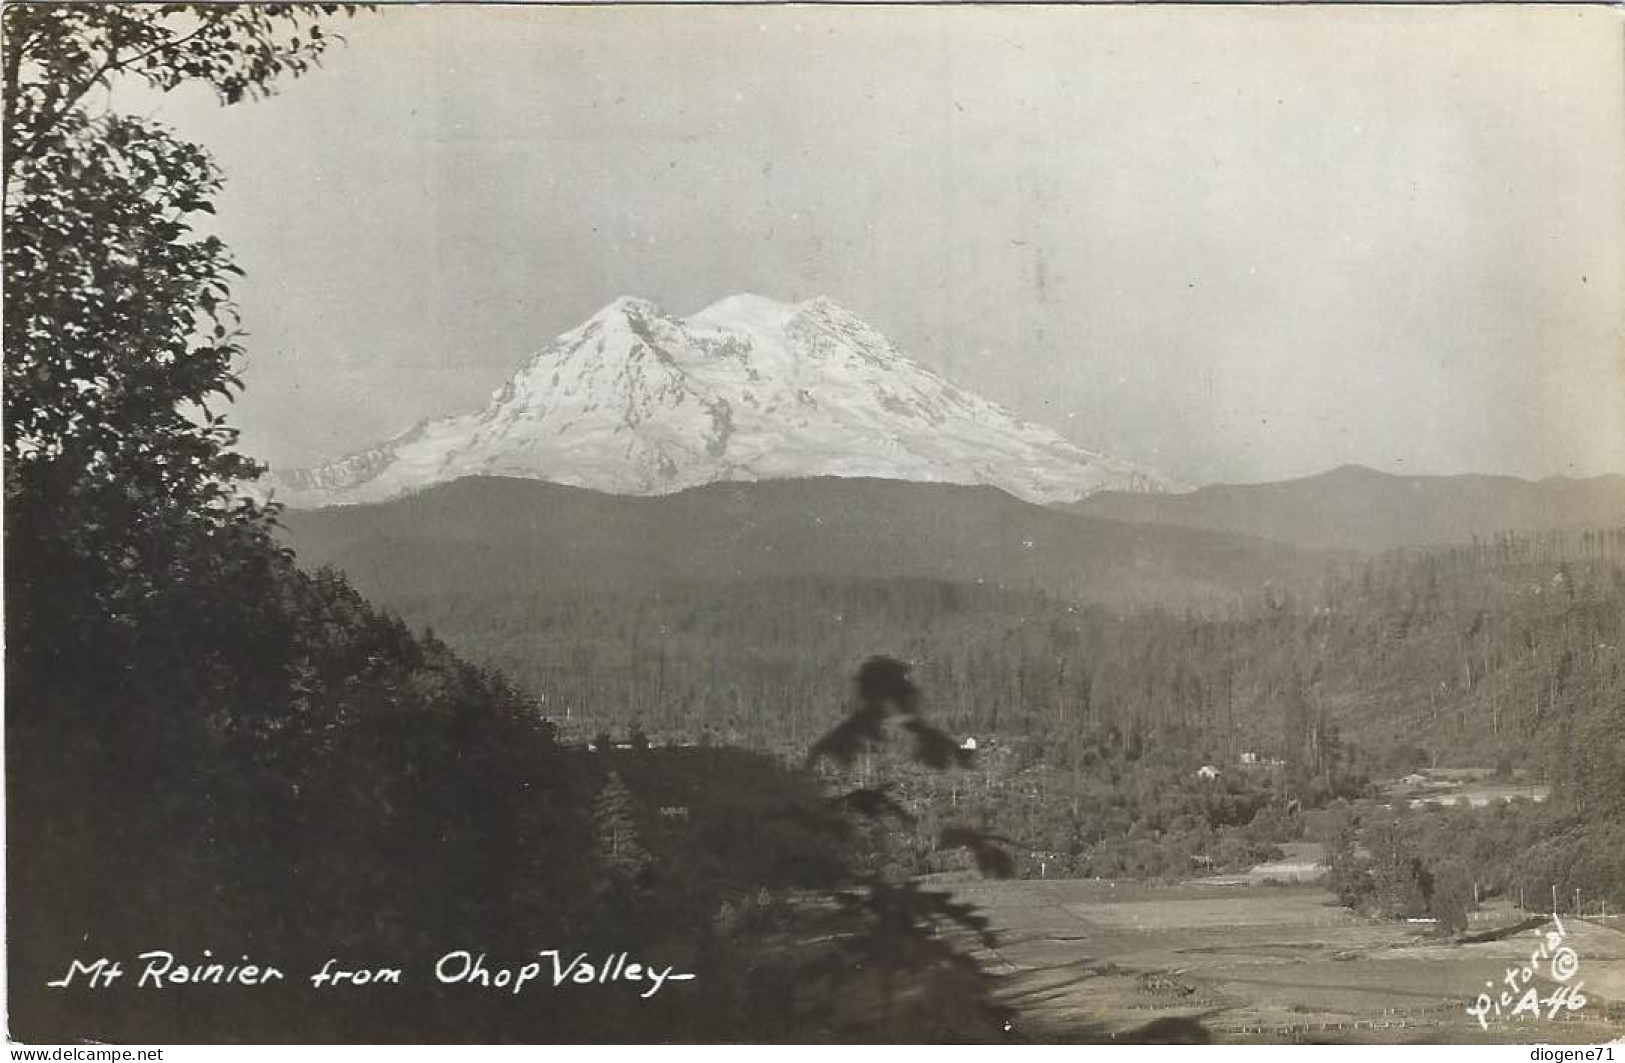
(906, 942)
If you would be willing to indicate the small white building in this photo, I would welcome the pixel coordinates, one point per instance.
(1207, 771)
(1249, 758)
(968, 744)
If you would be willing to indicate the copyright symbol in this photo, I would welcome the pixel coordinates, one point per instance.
(1564, 964)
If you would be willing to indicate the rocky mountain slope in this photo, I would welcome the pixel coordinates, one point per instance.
(637, 402)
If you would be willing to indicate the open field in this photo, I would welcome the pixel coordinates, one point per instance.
(1480, 795)
(1301, 862)
(1456, 786)
(1090, 960)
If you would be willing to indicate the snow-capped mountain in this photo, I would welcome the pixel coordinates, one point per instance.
(638, 402)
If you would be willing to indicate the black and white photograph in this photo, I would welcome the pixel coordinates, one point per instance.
(740, 524)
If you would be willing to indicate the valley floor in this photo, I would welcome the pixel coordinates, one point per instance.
(1093, 960)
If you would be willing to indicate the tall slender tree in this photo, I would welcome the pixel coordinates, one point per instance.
(614, 818)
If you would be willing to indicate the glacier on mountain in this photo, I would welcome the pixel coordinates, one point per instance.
(634, 401)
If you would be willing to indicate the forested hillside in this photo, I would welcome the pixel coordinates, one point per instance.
(1459, 656)
(1093, 722)
(490, 536)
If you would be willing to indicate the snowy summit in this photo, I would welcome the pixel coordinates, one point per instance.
(637, 402)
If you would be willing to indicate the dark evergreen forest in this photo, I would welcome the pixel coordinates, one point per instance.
(1092, 723)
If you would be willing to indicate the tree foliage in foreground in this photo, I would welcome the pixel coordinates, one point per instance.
(125, 533)
(120, 327)
(911, 946)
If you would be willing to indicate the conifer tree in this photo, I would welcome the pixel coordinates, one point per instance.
(1452, 898)
(615, 823)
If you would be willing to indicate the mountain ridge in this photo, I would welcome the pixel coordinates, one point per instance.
(485, 536)
(1355, 507)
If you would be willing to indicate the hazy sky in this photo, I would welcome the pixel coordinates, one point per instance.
(1233, 243)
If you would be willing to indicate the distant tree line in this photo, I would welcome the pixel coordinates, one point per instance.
(1494, 654)
(1454, 657)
